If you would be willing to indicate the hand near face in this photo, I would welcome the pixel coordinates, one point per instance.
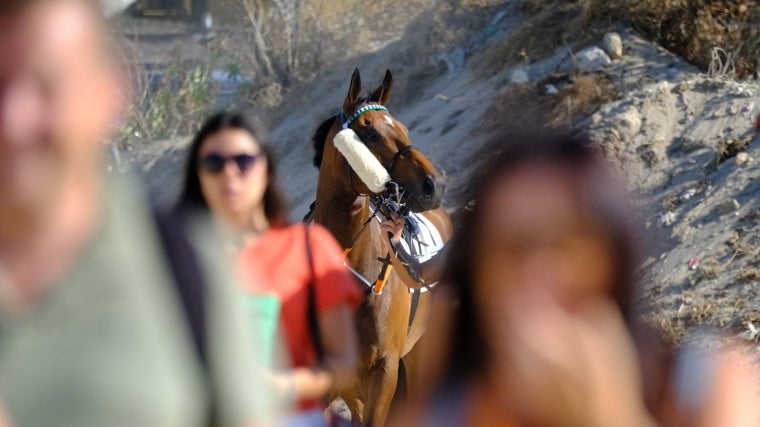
(717, 387)
(568, 368)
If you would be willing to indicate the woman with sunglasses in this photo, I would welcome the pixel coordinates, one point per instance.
(232, 173)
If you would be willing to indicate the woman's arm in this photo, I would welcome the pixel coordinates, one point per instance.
(338, 369)
(335, 297)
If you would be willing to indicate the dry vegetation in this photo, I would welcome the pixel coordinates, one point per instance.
(547, 25)
(578, 96)
(694, 29)
(722, 35)
(290, 41)
(281, 45)
(520, 107)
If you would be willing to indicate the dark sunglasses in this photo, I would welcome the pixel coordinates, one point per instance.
(215, 163)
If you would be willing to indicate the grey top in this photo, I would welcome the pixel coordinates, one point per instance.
(108, 344)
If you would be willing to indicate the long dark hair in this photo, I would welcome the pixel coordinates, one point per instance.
(191, 198)
(467, 353)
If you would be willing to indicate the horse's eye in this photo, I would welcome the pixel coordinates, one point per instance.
(370, 135)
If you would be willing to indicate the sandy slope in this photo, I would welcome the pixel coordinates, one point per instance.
(699, 202)
(666, 132)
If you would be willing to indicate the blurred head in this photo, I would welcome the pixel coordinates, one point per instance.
(231, 172)
(58, 97)
(549, 222)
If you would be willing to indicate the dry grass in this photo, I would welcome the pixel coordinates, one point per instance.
(548, 25)
(709, 269)
(671, 202)
(528, 107)
(693, 28)
(582, 97)
(671, 330)
(518, 107)
(721, 35)
(732, 147)
(700, 312)
(749, 275)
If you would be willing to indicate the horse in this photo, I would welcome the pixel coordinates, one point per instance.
(392, 320)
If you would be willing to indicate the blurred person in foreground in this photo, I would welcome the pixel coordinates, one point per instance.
(534, 320)
(698, 385)
(542, 276)
(298, 268)
(93, 331)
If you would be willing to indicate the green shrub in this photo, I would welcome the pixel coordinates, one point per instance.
(170, 103)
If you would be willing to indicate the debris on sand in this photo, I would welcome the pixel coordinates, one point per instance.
(751, 334)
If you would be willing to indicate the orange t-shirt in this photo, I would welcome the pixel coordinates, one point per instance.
(277, 263)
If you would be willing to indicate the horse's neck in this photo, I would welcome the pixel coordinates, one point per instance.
(345, 217)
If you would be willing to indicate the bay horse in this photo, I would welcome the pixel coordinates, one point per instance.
(387, 326)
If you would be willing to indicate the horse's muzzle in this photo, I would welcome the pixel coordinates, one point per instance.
(428, 195)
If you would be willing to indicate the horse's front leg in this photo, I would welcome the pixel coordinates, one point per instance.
(383, 379)
(416, 348)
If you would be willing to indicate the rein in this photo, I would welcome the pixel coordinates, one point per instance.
(377, 287)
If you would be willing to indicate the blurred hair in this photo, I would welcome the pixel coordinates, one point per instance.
(106, 40)
(10, 6)
(192, 198)
(596, 190)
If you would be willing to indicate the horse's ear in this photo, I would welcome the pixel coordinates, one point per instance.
(382, 94)
(354, 93)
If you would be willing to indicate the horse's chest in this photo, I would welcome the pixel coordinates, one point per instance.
(370, 265)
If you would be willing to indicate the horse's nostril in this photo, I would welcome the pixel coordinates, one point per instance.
(428, 185)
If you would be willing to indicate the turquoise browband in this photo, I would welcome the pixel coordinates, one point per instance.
(359, 112)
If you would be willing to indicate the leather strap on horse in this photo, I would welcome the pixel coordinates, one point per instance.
(345, 123)
(410, 263)
(398, 155)
(413, 310)
(385, 273)
(376, 287)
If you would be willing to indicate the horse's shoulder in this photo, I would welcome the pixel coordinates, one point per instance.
(441, 220)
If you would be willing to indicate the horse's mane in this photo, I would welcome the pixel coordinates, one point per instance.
(320, 135)
(319, 139)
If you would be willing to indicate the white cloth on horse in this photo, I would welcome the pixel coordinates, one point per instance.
(424, 244)
(361, 159)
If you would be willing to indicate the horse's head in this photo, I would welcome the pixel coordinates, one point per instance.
(387, 140)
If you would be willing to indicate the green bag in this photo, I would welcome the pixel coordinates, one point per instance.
(264, 314)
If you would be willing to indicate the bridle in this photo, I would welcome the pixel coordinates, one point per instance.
(377, 200)
(398, 155)
(346, 123)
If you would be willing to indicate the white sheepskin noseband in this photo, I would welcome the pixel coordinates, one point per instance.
(362, 161)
